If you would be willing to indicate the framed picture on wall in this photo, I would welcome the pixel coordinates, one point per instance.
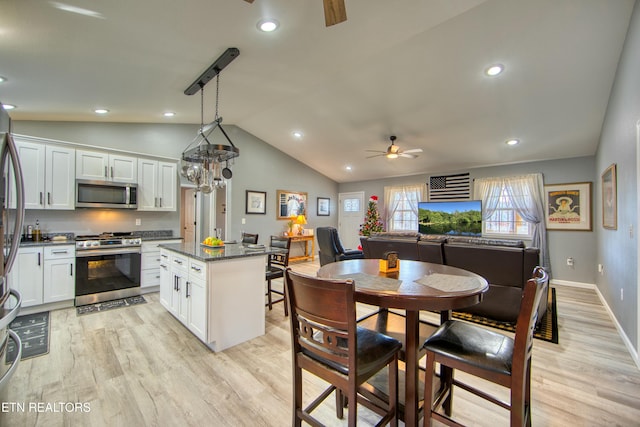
(323, 206)
(256, 202)
(610, 198)
(291, 203)
(568, 206)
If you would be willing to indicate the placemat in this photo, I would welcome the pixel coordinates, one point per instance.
(377, 283)
(449, 282)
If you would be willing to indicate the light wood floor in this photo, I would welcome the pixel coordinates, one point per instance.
(139, 366)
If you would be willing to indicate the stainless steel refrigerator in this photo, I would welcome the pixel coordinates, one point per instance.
(11, 218)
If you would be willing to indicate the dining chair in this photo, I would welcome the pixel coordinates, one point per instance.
(326, 342)
(249, 238)
(276, 264)
(494, 357)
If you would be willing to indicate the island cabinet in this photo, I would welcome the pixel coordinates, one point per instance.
(217, 294)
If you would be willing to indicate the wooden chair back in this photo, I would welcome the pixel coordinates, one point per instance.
(248, 238)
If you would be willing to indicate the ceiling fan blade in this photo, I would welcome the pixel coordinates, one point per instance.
(413, 150)
(376, 151)
(335, 12)
(410, 156)
(249, 1)
(376, 155)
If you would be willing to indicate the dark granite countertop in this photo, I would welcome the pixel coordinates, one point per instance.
(31, 243)
(229, 251)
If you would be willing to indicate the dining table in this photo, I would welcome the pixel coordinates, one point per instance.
(414, 287)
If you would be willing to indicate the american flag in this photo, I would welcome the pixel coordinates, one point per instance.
(449, 187)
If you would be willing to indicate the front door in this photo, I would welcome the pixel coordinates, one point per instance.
(350, 216)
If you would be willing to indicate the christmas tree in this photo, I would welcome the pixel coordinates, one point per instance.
(372, 222)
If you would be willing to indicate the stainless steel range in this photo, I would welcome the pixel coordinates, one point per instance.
(107, 267)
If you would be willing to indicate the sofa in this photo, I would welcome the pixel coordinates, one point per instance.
(506, 264)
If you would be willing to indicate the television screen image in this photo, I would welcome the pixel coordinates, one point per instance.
(459, 218)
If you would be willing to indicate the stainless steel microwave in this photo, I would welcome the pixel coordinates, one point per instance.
(103, 194)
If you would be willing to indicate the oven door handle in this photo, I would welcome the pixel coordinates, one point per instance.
(107, 251)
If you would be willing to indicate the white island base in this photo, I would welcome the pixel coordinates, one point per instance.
(219, 299)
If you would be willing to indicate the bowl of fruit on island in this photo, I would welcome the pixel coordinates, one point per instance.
(213, 242)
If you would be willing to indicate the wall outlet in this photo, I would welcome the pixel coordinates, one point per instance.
(570, 262)
(600, 268)
(138, 221)
(244, 220)
(621, 294)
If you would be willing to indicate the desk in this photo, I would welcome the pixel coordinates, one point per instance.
(412, 297)
(307, 255)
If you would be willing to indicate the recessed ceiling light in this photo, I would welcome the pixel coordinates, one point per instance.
(297, 134)
(169, 114)
(348, 168)
(100, 111)
(513, 142)
(8, 106)
(494, 70)
(3, 79)
(268, 25)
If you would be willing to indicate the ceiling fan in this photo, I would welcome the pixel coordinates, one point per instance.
(393, 151)
(334, 11)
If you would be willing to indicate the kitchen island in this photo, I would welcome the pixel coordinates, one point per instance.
(216, 292)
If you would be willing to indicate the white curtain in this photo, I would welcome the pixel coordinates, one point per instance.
(526, 194)
(410, 193)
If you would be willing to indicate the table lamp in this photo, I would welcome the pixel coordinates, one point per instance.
(301, 220)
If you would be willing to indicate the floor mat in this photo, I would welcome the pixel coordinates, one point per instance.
(34, 331)
(109, 305)
(547, 330)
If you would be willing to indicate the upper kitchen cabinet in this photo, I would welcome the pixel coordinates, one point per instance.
(157, 185)
(102, 166)
(49, 175)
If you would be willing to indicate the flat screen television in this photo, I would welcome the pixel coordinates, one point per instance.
(459, 218)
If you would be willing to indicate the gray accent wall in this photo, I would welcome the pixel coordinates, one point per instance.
(617, 249)
(579, 245)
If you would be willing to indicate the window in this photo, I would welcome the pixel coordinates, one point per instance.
(351, 205)
(401, 204)
(505, 221)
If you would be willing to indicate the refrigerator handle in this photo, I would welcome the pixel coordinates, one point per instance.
(9, 149)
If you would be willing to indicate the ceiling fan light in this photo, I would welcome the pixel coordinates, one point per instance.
(392, 155)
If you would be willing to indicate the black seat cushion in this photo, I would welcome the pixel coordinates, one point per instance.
(373, 347)
(472, 344)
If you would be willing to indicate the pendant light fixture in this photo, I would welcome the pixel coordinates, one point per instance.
(205, 163)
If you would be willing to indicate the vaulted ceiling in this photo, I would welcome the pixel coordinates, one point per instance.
(414, 69)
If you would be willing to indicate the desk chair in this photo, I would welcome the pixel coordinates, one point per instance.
(276, 264)
(327, 343)
(249, 238)
(488, 355)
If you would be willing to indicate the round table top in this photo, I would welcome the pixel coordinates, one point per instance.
(416, 286)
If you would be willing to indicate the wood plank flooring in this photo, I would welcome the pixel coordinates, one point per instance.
(138, 366)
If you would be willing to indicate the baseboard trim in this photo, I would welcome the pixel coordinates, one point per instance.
(625, 339)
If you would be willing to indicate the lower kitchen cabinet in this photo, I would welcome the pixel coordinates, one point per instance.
(44, 274)
(183, 291)
(150, 265)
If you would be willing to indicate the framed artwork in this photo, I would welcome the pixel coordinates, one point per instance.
(610, 198)
(290, 203)
(323, 206)
(256, 202)
(568, 206)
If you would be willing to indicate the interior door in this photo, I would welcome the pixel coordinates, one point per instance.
(351, 215)
(188, 214)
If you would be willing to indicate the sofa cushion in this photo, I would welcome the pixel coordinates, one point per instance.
(396, 235)
(485, 241)
(501, 303)
(499, 265)
(430, 251)
(406, 248)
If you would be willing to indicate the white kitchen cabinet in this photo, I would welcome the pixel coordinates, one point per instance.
(166, 284)
(48, 175)
(196, 303)
(157, 185)
(103, 166)
(26, 275)
(150, 266)
(59, 273)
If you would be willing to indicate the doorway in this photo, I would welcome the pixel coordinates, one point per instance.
(350, 216)
(188, 220)
(203, 215)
